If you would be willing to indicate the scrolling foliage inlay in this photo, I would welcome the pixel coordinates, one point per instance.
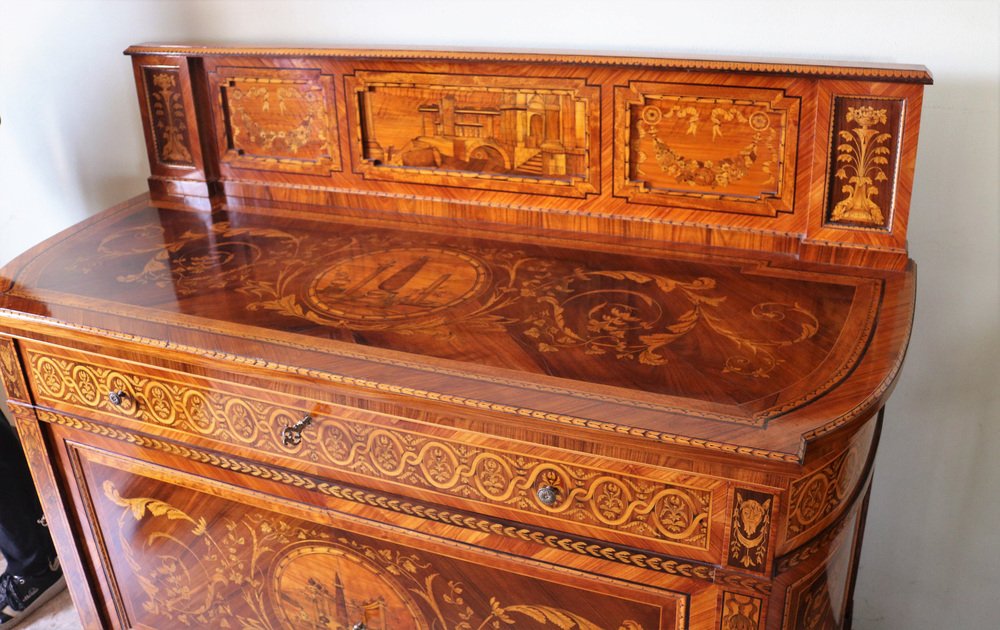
(648, 561)
(375, 282)
(814, 497)
(266, 572)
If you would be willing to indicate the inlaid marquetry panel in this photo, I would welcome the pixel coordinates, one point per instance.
(819, 596)
(636, 323)
(168, 115)
(725, 149)
(510, 133)
(740, 612)
(865, 138)
(431, 513)
(675, 512)
(750, 530)
(178, 557)
(10, 370)
(823, 492)
(277, 119)
(643, 507)
(818, 499)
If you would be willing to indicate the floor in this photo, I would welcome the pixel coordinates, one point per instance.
(57, 613)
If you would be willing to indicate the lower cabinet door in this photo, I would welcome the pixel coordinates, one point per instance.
(171, 550)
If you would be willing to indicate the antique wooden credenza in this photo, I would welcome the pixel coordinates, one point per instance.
(455, 340)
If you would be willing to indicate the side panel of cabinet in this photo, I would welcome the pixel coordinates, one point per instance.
(172, 549)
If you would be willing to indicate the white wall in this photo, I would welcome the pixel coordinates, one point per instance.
(71, 143)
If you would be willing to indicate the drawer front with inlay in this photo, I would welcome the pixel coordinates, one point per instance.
(180, 550)
(668, 511)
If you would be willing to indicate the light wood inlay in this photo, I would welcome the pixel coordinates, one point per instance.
(466, 340)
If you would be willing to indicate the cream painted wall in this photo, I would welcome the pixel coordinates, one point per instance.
(71, 143)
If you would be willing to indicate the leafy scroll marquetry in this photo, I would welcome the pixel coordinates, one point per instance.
(405, 287)
(816, 496)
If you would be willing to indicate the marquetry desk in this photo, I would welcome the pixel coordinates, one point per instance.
(451, 340)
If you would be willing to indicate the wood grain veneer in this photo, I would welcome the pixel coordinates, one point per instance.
(461, 340)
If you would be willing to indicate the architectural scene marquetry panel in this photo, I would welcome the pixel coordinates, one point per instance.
(750, 532)
(865, 138)
(201, 561)
(515, 133)
(167, 115)
(472, 341)
(277, 119)
(740, 612)
(726, 149)
(677, 513)
(10, 370)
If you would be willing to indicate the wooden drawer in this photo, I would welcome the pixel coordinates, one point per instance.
(667, 511)
(185, 550)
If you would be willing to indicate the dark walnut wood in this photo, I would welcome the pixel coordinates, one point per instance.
(465, 340)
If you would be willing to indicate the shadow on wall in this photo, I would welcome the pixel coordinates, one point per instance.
(928, 557)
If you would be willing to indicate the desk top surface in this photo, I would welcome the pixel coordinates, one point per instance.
(701, 343)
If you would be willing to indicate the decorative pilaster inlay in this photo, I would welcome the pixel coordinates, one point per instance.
(864, 156)
(10, 369)
(740, 612)
(32, 442)
(751, 530)
(167, 115)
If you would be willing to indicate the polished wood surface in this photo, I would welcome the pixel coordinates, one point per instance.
(737, 154)
(392, 329)
(676, 338)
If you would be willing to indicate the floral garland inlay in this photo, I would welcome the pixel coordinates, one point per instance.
(707, 172)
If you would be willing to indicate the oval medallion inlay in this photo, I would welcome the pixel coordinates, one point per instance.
(397, 284)
(323, 585)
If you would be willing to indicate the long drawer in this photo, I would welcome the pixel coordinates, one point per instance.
(663, 510)
(184, 550)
